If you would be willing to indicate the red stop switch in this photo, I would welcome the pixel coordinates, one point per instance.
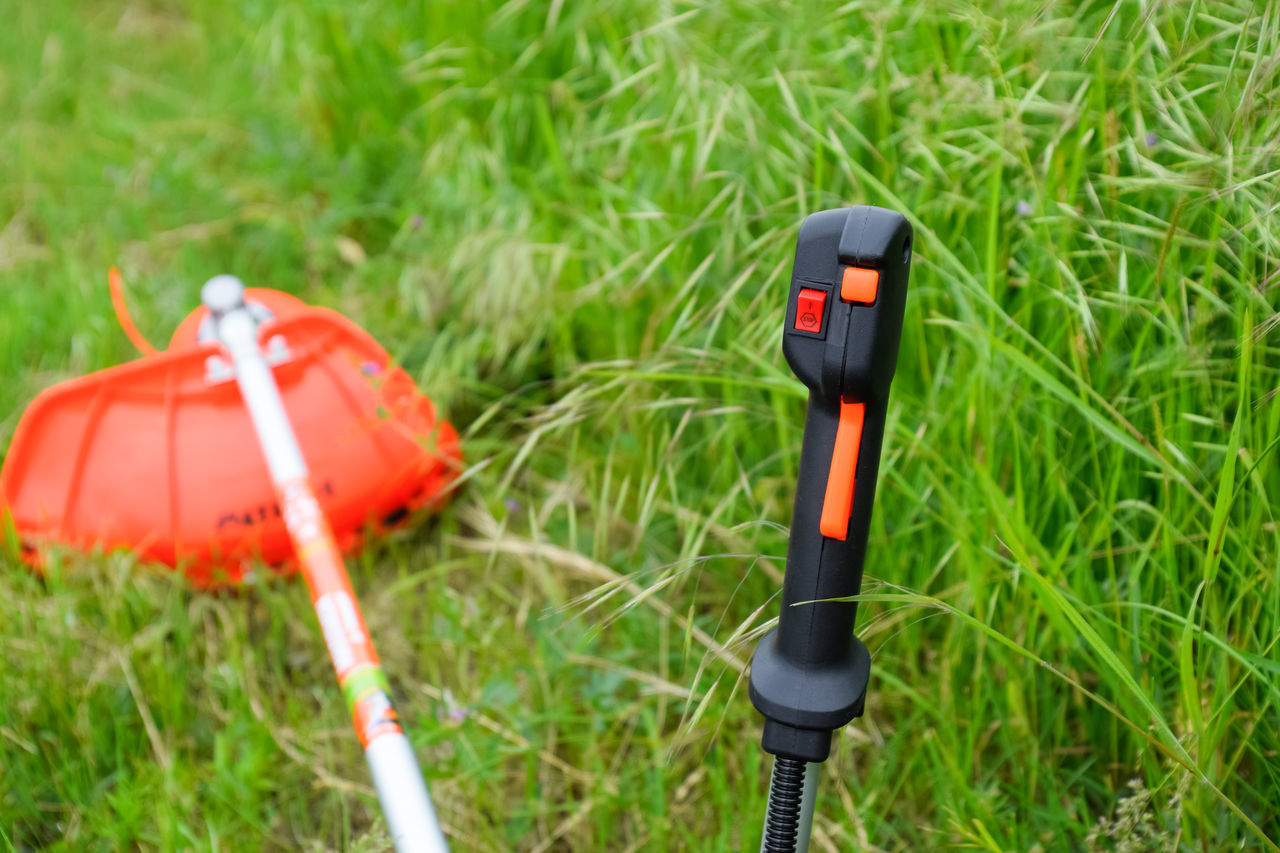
(809, 310)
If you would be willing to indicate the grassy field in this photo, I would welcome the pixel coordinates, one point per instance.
(573, 223)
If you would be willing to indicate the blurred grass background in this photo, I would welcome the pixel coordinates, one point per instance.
(573, 223)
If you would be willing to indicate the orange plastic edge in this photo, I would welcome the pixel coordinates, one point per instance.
(115, 283)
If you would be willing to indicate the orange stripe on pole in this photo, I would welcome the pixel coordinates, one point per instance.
(341, 622)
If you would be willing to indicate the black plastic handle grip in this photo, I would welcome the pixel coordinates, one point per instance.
(844, 322)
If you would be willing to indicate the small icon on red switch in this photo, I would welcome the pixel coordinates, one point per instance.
(809, 308)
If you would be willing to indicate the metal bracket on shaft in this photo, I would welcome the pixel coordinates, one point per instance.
(222, 295)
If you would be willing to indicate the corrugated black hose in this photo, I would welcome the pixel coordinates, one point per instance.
(786, 792)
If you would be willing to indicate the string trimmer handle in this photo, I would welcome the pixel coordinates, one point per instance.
(844, 320)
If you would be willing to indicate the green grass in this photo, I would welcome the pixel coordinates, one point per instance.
(574, 226)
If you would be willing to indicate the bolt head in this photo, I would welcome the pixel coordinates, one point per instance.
(222, 294)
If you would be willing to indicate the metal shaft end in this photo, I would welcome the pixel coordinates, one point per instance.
(222, 294)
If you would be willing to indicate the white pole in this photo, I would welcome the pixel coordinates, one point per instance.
(807, 803)
(396, 776)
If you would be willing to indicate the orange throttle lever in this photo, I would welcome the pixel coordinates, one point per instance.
(844, 320)
(837, 506)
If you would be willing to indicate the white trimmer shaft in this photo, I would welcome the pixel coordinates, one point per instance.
(396, 775)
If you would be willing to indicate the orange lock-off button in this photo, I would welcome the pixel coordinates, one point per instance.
(859, 285)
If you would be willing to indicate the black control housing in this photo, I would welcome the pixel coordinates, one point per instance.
(809, 676)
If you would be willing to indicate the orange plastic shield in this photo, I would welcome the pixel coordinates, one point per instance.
(159, 455)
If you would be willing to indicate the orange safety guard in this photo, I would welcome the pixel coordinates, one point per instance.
(160, 457)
